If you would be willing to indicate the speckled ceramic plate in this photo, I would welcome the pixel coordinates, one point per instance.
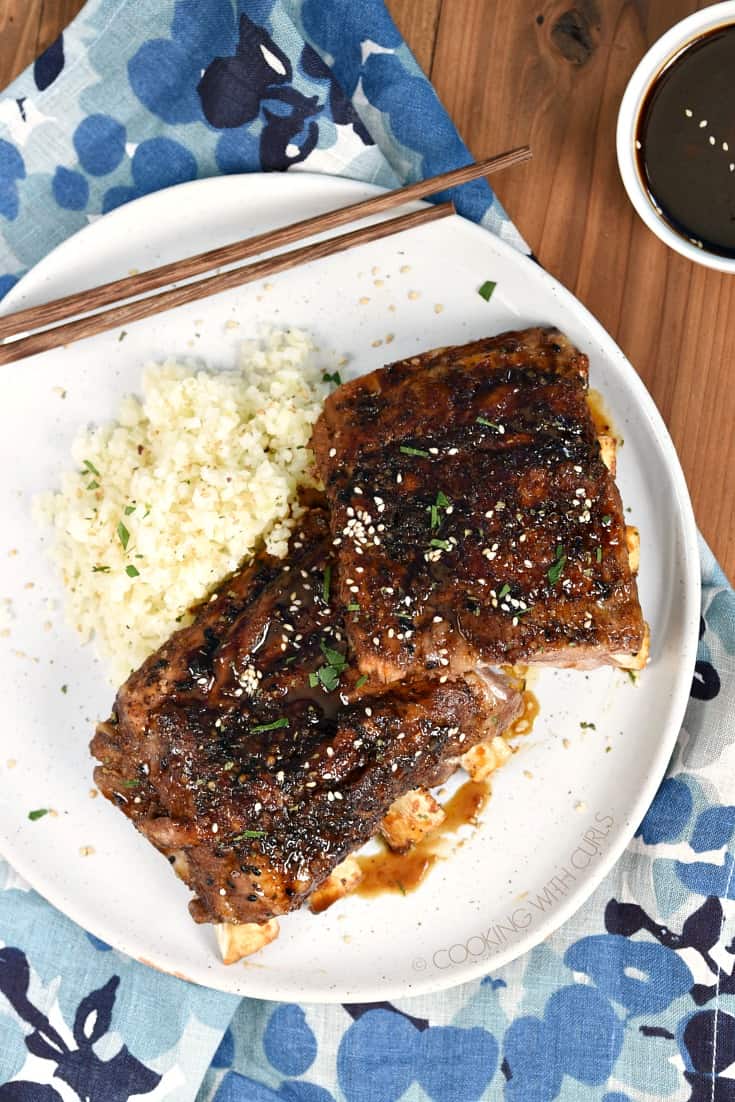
(565, 806)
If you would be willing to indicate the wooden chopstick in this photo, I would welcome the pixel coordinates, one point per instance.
(37, 317)
(222, 281)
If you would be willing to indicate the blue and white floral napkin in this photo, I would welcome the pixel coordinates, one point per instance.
(634, 999)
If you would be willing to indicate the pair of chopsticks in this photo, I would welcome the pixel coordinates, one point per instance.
(40, 328)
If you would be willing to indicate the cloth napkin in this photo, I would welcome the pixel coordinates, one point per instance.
(634, 998)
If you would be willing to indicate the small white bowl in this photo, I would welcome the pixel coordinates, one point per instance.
(648, 70)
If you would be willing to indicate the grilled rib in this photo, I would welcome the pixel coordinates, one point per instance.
(475, 518)
(228, 753)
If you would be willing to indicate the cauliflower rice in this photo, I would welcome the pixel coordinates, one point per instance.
(189, 481)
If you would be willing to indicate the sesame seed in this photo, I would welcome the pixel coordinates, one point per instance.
(725, 146)
(453, 451)
(357, 490)
(711, 140)
(368, 712)
(311, 784)
(394, 768)
(222, 891)
(527, 563)
(376, 641)
(332, 453)
(437, 620)
(687, 112)
(399, 478)
(280, 776)
(702, 124)
(215, 828)
(330, 752)
(338, 795)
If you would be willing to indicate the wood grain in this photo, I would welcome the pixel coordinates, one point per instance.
(553, 71)
(417, 20)
(27, 27)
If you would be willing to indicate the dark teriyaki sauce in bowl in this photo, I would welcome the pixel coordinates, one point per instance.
(685, 142)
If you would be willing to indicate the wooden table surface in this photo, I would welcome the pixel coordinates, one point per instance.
(552, 73)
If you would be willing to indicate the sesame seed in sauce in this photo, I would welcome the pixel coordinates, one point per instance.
(332, 453)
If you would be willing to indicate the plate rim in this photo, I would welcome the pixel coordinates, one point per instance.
(691, 601)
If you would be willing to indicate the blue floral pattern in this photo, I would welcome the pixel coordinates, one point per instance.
(635, 998)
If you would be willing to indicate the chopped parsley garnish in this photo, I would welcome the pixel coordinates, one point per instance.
(486, 291)
(556, 569)
(333, 657)
(588, 726)
(445, 545)
(598, 554)
(100, 570)
(88, 466)
(123, 335)
(247, 834)
(130, 784)
(282, 722)
(65, 689)
(329, 674)
(435, 510)
(93, 485)
(327, 583)
(632, 676)
(333, 378)
(147, 511)
(607, 519)
(123, 535)
(129, 509)
(504, 591)
(353, 608)
(361, 681)
(488, 424)
(38, 813)
(132, 571)
(414, 451)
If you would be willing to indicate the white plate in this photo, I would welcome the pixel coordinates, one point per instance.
(528, 866)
